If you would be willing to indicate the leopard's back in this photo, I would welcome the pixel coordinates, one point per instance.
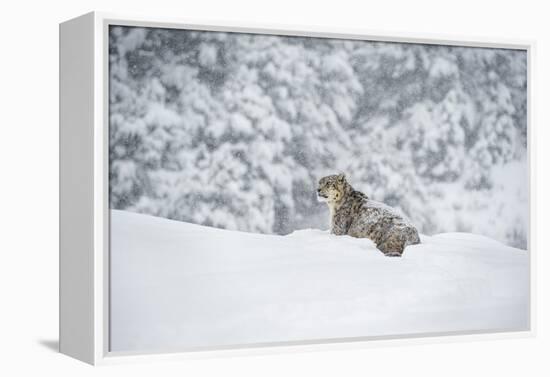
(390, 230)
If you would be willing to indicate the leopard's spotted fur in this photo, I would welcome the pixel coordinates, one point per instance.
(353, 213)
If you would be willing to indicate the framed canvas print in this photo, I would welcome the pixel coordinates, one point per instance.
(229, 189)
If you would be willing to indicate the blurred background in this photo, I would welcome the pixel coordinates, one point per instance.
(234, 130)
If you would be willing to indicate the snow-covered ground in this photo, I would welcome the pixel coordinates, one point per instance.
(177, 285)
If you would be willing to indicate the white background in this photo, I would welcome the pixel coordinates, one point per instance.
(29, 183)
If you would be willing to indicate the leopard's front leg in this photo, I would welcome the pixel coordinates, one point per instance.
(340, 224)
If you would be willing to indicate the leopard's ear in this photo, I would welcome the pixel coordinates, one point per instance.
(341, 177)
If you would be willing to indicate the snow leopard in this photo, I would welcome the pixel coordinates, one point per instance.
(353, 213)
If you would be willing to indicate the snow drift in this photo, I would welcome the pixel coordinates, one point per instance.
(177, 286)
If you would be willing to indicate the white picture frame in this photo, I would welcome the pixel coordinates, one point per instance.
(84, 210)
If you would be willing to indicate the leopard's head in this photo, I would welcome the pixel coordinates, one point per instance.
(332, 188)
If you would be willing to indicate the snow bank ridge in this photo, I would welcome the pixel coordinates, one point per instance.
(178, 286)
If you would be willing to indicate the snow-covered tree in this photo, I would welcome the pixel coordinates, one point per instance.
(234, 130)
